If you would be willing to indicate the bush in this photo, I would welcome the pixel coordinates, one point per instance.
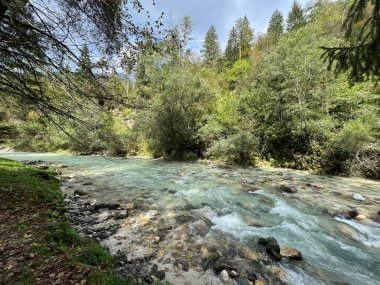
(238, 149)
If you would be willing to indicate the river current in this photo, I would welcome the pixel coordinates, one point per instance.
(240, 205)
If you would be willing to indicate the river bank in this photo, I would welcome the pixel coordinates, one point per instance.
(195, 222)
(37, 242)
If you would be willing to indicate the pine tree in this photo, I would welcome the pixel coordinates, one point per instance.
(296, 17)
(85, 63)
(211, 46)
(276, 26)
(245, 33)
(232, 52)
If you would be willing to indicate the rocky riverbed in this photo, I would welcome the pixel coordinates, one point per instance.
(204, 224)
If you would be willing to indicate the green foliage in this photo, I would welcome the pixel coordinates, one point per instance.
(276, 26)
(211, 47)
(296, 17)
(239, 148)
(176, 114)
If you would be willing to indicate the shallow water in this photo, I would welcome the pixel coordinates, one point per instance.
(335, 251)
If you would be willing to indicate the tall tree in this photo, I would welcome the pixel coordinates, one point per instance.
(276, 26)
(245, 33)
(362, 30)
(211, 46)
(232, 52)
(85, 64)
(296, 17)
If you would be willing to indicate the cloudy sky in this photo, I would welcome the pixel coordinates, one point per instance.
(220, 13)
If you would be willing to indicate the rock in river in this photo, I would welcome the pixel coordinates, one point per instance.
(358, 197)
(289, 188)
(290, 253)
(80, 192)
(272, 247)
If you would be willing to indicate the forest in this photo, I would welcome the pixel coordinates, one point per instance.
(269, 98)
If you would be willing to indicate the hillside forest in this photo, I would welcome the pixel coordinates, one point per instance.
(266, 99)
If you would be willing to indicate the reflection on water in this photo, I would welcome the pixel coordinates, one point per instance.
(238, 205)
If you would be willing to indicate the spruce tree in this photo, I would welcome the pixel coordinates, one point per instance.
(245, 33)
(276, 26)
(85, 64)
(211, 46)
(232, 52)
(296, 17)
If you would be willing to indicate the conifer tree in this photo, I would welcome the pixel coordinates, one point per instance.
(276, 26)
(245, 33)
(85, 64)
(211, 46)
(232, 52)
(296, 17)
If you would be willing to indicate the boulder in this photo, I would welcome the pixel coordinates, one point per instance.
(358, 197)
(291, 253)
(360, 217)
(110, 206)
(80, 192)
(272, 247)
(289, 188)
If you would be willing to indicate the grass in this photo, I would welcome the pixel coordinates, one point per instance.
(37, 242)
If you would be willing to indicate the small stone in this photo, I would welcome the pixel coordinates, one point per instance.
(172, 191)
(149, 279)
(259, 282)
(167, 261)
(160, 274)
(121, 215)
(83, 282)
(32, 255)
(224, 276)
(51, 275)
(293, 178)
(180, 246)
(360, 217)
(288, 188)
(156, 239)
(358, 197)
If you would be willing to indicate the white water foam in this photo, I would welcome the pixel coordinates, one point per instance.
(369, 232)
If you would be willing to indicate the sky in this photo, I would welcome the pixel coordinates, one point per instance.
(220, 13)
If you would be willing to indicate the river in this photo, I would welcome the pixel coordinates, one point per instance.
(227, 208)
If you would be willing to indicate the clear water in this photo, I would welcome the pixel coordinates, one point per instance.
(331, 256)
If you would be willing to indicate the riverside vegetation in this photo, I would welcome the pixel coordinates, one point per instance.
(38, 244)
(269, 97)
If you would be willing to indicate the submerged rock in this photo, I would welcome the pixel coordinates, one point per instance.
(358, 197)
(289, 188)
(291, 253)
(272, 247)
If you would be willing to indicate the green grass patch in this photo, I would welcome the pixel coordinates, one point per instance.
(28, 189)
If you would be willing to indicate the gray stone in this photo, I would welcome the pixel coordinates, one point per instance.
(289, 188)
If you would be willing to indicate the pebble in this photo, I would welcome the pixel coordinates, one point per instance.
(224, 276)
